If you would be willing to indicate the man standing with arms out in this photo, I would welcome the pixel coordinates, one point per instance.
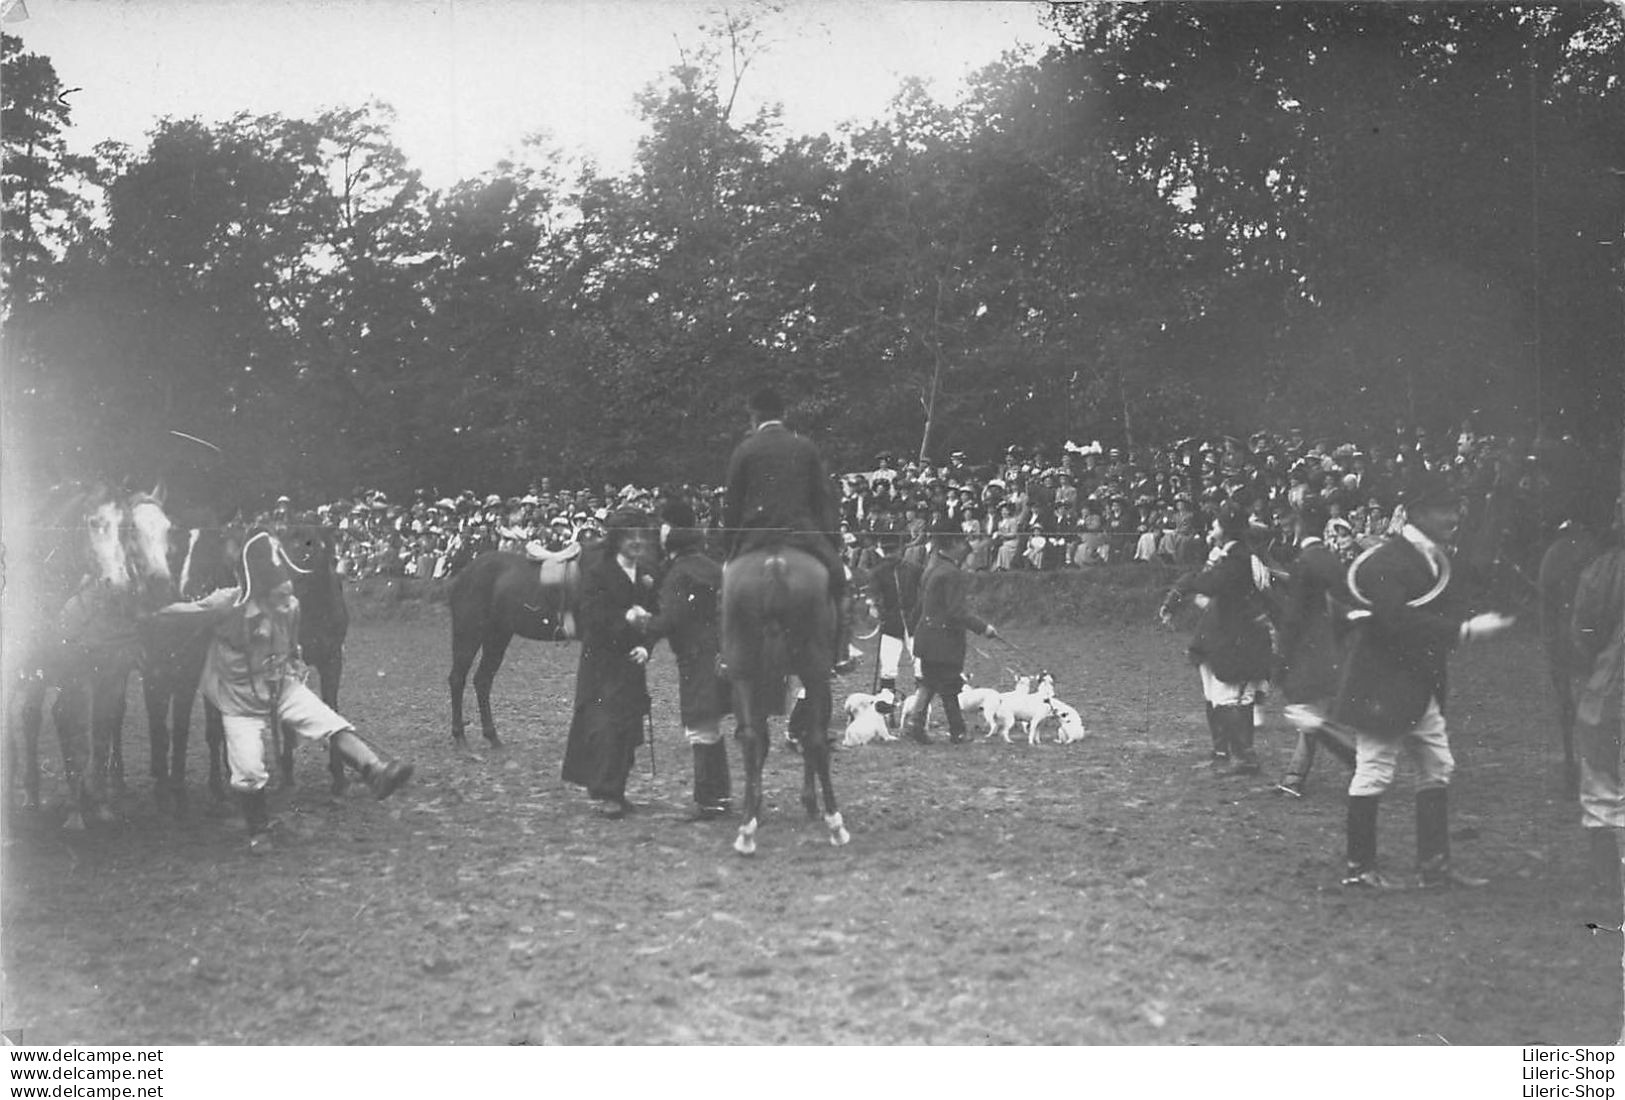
(778, 494)
(1408, 616)
(894, 590)
(1599, 638)
(939, 640)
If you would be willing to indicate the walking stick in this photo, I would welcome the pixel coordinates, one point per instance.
(649, 725)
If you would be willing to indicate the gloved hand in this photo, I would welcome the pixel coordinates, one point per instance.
(1484, 625)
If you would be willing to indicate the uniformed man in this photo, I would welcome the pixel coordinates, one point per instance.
(1409, 614)
(893, 589)
(939, 639)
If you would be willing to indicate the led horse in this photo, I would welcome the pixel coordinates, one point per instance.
(98, 561)
(778, 620)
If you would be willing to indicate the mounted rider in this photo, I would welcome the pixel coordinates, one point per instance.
(779, 494)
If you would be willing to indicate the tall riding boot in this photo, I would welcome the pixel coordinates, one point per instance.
(383, 777)
(711, 780)
(257, 817)
(1433, 840)
(843, 636)
(919, 707)
(1220, 735)
(1362, 842)
(1238, 722)
(955, 717)
(1603, 845)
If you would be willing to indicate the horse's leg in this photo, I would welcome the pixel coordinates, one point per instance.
(107, 707)
(183, 693)
(491, 654)
(70, 713)
(155, 694)
(753, 741)
(214, 735)
(32, 717)
(816, 763)
(463, 651)
(331, 671)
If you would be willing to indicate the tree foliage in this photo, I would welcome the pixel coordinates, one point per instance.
(1178, 217)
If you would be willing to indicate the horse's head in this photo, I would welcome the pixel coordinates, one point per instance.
(106, 560)
(310, 548)
(145, 534)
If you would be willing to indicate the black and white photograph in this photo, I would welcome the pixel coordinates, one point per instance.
(748, 524)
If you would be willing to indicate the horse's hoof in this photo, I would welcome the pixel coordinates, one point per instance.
(837, 829)
(338, 786)
(492, 739)
(745, 842)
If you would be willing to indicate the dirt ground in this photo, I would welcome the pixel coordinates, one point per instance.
(1112, 891)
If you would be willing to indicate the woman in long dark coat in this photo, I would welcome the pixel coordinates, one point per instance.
(612, 694)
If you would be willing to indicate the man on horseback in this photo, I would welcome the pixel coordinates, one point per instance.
(778, 494)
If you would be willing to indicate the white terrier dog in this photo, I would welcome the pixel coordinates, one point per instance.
(1028, 708)
(1071, 728)
(864, 724)
(983, 701)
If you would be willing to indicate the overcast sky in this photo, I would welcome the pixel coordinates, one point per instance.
(470, 78)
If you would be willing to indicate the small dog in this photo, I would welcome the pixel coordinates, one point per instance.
(1027, 708)
(1071, 728)
(864, 723)
(983, 701)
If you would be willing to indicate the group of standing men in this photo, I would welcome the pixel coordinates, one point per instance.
(1360, 649)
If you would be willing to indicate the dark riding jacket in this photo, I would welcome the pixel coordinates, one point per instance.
(1397, 654)
(1311, 624)
(944, 616)
(894, 589)
(1232, 637)
(778, 494)
(690, 619)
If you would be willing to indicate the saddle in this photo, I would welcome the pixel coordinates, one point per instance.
(558, 569)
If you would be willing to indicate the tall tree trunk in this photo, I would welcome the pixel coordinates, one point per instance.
(936, 376)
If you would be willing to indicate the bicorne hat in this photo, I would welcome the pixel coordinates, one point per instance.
(265, 566)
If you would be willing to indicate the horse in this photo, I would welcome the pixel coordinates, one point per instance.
(102, 561)
(497, 595)
(203, 558)
(778, 620)
(1560, 567)
(324, 622)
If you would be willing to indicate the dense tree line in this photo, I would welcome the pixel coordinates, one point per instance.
(1179, 217)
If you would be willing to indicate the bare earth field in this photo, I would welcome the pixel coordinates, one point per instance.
(1112, 891)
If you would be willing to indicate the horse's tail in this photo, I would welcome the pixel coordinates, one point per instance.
(775, 606)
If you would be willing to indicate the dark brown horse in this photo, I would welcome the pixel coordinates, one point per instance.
(778, 621)
(203, 559)
(497, 595)
(89, 566)
(1560, 567)
(324, 622)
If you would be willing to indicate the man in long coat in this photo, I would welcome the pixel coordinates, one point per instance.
(939, 639)
(612, 695)
(690, 619)
(1409, 614)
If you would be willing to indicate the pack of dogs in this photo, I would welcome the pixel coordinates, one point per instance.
(1028, 705)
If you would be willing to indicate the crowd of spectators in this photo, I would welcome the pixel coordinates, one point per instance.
(1077, 506)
